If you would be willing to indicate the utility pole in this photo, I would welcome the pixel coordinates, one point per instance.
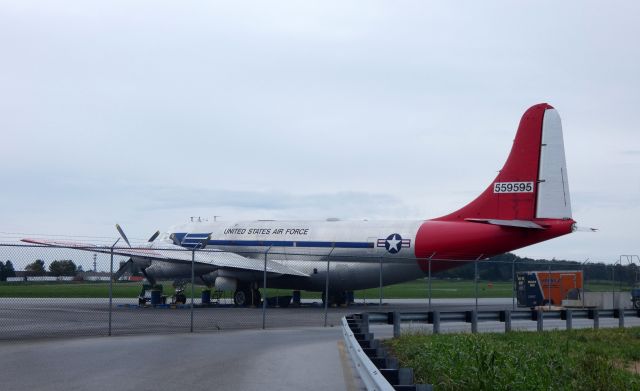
(95, 264)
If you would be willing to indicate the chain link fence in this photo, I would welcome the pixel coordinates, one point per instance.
(62, 292)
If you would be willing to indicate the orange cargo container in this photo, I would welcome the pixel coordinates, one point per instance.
(541, 287)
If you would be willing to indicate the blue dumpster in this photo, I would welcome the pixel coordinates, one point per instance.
(156, 297)
(206, 296)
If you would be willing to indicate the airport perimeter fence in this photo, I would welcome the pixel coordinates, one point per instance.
(78, 291)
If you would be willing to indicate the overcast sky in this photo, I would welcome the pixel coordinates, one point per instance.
(148, 112)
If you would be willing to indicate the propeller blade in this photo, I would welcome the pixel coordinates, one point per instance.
(153, 237)
(123, 235)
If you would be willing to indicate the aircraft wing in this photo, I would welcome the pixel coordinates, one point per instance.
(176, 254)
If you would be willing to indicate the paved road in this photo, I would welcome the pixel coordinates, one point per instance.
(282, 358)
(293, 359)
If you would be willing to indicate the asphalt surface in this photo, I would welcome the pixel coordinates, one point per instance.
(42, 347)
(22, 319)
(308, 359)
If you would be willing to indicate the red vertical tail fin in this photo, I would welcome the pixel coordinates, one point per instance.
(533, 182)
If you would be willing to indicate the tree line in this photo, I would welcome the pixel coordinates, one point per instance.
(6, 270)
(65, 267)
(500, 268)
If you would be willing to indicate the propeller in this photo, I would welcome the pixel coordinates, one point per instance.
(123, 235)
(153, 237)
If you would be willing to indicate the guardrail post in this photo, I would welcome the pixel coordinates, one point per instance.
(436, 321)
(396, 324)
(621, 318)
(596, 319)
(474, 321)
(540, 320)
(569, 315)
(364, 326)
(507, 320)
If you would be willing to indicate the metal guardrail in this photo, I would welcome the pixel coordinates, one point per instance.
(368, 372)
(378, 370)
(505, 316)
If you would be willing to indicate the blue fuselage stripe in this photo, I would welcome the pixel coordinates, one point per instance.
(191, 240)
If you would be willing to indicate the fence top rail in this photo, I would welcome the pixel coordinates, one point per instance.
(105, 248)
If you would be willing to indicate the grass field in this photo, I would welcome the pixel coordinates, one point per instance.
(411, 289)
(605, 359)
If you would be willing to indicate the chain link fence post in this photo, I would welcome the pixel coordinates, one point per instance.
(110, 290)
(111, 284)
(380, 293)
(193, 262)
(513, 281)
(264, 289)
(613, 286)
(326, 287)
(549, 280)
(429, 284)
(476, 281)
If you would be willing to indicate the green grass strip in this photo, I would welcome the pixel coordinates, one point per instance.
(605, 359)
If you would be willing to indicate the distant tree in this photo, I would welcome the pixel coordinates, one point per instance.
(80, 269)
(3, 274)
(63, 268)
(9, 271)
(36, 268)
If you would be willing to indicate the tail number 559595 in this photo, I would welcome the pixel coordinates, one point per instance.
(513, 187)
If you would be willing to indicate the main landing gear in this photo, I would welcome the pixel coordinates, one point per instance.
(338, 298)
(245, 296)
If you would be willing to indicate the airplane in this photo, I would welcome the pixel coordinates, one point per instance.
(528, 202)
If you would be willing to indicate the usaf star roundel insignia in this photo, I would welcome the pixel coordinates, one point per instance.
(394, 243)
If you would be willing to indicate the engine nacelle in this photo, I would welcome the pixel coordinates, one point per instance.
(226, 283)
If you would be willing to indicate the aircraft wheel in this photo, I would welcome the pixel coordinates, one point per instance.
(336, 299)
(636, 304)
(242, 297)
(181, 299)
